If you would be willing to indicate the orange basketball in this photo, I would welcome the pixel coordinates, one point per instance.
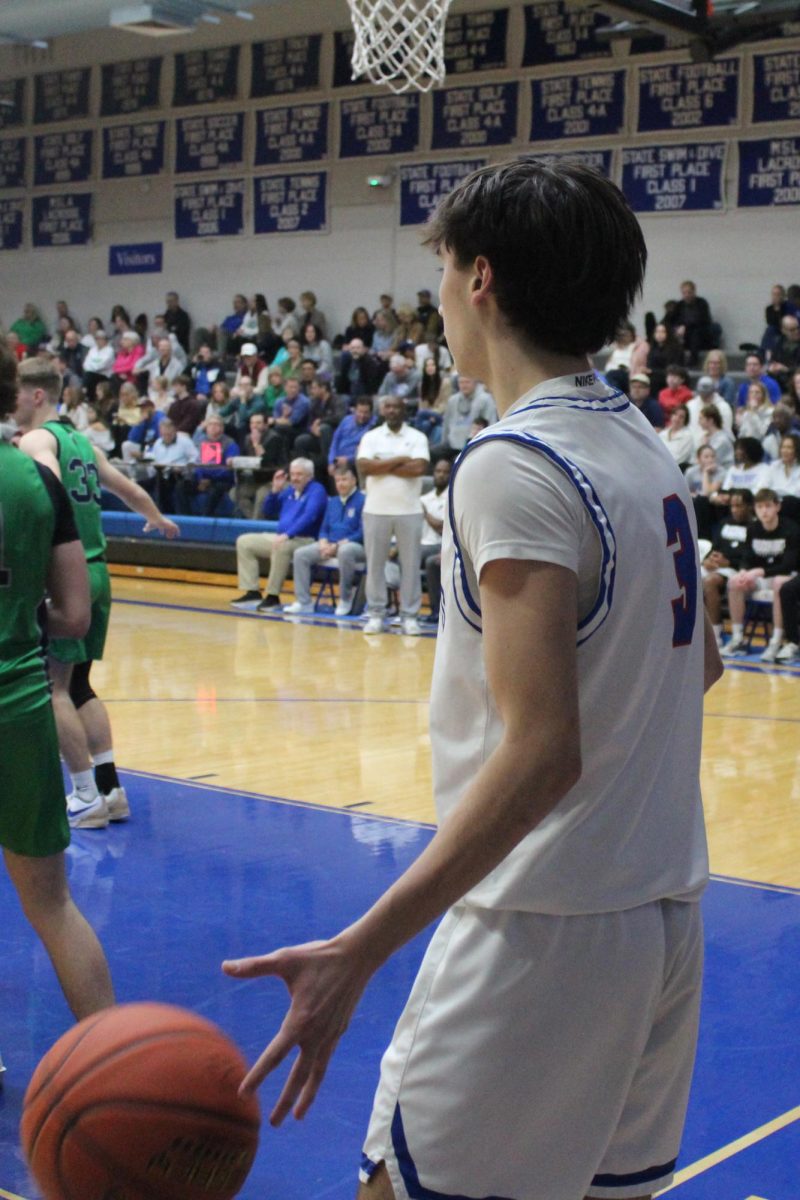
(139, 1102)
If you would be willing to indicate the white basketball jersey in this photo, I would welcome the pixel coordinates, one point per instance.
(574, 474)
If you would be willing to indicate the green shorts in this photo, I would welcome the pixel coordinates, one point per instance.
(33, 810)
(78, 650)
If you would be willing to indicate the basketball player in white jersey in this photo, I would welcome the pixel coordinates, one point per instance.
(546, 1050)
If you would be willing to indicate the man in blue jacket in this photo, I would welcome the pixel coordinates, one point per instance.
(341, 542)
(349, 433)
(299, 503)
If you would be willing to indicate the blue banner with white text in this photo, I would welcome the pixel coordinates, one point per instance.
(379, 125)
(687, 178)
(558, 31)
(61, 96)
(776, 86)
(140, 258)
(208, 142)
(285, 65)
(290, 203)
(475, 41)
(11, 219)
(12, 162)
(688, 95)
(63, 157)
(475, 115)
(209, 208)
(599, 160)
(590, 105)
(288, 135)
(130, 87)
(423, 185)
(769, 173)
(62, 220)
(206, 76)
(131, 151)
(12, 103)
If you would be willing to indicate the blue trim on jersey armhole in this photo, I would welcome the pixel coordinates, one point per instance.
(368, 1167)
(408, 1169)
(592, 504)
(648, 1176)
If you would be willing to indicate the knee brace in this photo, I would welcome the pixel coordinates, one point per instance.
(80, 690)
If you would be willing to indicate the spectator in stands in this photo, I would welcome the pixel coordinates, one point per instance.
(73, 353)
(323, 417)
(428, 316)
(715, 364)
(15, 346)
(62, 310)
(360, 373)
(677, 391)
(166, 365)
(789, 600)
(206, 369)
(213, 478)
(127, 414)
(317, 348)
(298, 503)
(218, 398)
(286, 317)
(664, 350)
(401, 380)
(678, 437)
(628, 357)
(434, 392)
(386, 310)
(99, 362)
(771, 555)
(144, 433)
(706, 396)
(73, 405)
(709, 432)
(127, 359)
(383, 337)
(341, 540)
(785, 357)
(231, 338)
(56, 343)
(186, 411)
(409, 329)
(756, 417)
(691, 321)
(292, 365)
(434, 508)
(393, 457)
(349, 433)
(706, 475)
(470, 400)
(724, 559)
(311, 315)
(177, 321)
(248, 367)
(784, 421)
(748, 470)
(291, 413)
(122, 324)
(30, 328)
(775, 311)
(273, 388)
(793, 391)
(171, 453)
(243, 402)
(88, 341)
(754, 372)
(639, 393)
(98, 431)
(783, 476)
(361, 326)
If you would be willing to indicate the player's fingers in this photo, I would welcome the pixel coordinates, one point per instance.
(291, 1089)
(272, 1057)
(254, 967)
(315, 1077)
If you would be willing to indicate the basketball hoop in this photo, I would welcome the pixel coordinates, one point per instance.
(399, 43)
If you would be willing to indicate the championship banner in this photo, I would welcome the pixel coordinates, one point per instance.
(11, 218)
(285, 65)
(12, 108)
(582, 106)
(688, 95)
(776, 86)
(424, 184)
(130, 151)
(130, 87)
(558, 31)
(61, 96)
(287, 135)
(209, 208)
(477, 115)
(686, 178)
(12, 162)
(206, 76)
(600, 160)
(769, 173)
(379, 125)
(343, 43)
(475, 41)
(290, 203)
(208, 142)
(62, 220)
(64, 157)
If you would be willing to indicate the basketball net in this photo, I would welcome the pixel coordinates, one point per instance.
(399, 43)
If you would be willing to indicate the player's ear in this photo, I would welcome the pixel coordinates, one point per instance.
(482, 278)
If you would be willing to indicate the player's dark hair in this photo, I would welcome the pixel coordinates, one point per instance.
(8, 381)
(566, 250)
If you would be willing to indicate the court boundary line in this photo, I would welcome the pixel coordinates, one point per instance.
(733, 1148)
(10, 1195)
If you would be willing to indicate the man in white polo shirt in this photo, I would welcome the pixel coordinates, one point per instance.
(393, 457)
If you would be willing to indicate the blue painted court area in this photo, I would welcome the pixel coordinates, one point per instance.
(201, 874)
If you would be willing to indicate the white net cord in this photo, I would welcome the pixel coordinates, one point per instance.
(399, 43)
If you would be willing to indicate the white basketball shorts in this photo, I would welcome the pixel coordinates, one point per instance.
(542, 1057)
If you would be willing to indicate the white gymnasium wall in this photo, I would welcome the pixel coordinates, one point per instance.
(733, 256)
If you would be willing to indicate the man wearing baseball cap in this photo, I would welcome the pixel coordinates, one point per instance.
(705, 395)
(639, 392)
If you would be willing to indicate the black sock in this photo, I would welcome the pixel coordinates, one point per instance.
(106, 778)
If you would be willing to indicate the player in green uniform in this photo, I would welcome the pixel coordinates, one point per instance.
(39, 548)
(84, 729)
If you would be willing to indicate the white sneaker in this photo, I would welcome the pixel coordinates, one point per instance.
(788, 653)
(343, 609)
(410, 627)
(298, 610)
(374, 625)
(93, 815)
(770, 654)
(735, 646)
(118, 807)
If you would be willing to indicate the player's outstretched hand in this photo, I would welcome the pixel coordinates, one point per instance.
(169, 529)
(325, 985)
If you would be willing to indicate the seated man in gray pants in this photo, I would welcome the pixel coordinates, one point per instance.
(299, 503)
(341, 541)
(393, 457)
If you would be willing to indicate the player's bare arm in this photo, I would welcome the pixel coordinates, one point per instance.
(68, 603)
(713, 668)
(41, 446)
(134, 496)
(533, 768)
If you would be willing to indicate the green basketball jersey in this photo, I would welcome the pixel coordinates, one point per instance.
(81, 479)
(27, 524)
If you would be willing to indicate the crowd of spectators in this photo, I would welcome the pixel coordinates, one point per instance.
(244, 416)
